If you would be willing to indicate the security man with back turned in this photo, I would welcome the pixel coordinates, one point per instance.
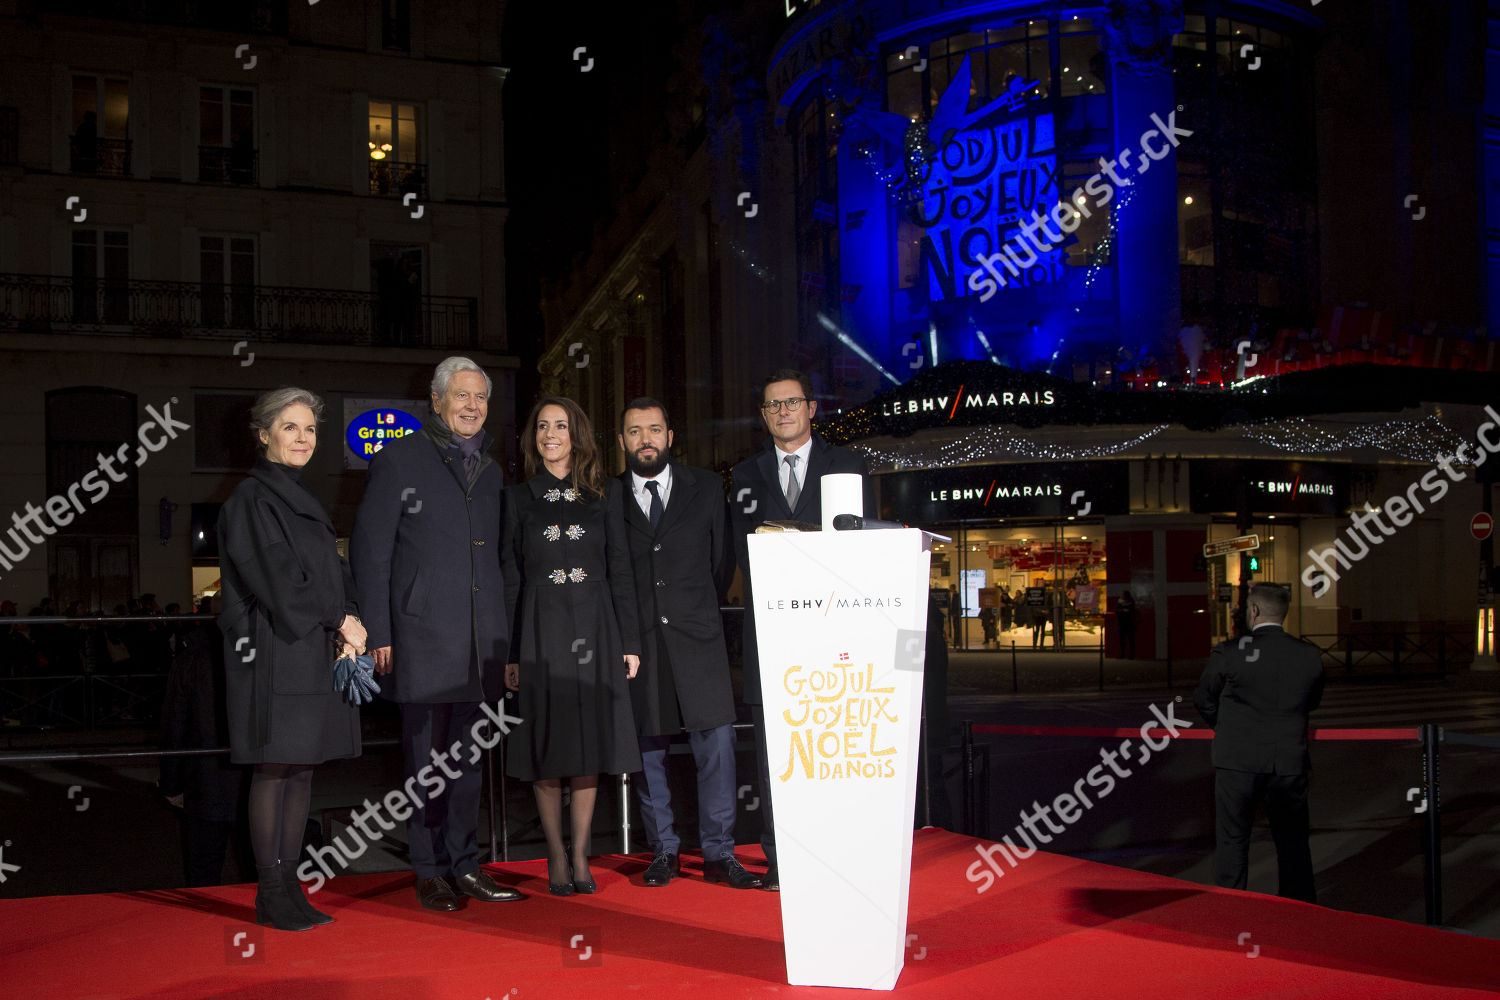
(1256, 693)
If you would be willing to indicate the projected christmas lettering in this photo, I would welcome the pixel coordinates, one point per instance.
(977, 193)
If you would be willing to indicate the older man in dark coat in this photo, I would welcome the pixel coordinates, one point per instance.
(782, 483)
(426, 558)
(1256, 693)
(680, 550)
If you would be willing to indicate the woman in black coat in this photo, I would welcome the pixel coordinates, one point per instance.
(288, 602)
(575, 642)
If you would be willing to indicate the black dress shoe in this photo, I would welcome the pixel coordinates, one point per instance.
(478, 885)
(729, 870)
(663, 869)
(436, 894)
(771, 880)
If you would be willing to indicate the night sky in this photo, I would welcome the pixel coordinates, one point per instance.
(576, 142)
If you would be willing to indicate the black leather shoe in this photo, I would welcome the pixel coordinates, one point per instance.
(663, 869)
(771, 880)
(729, 870)
(478, 885)
(436, 894)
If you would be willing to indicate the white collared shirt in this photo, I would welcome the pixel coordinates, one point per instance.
(663, 483)
(782, 472)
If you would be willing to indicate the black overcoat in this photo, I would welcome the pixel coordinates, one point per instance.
(682, 568)
(755, 497)
(426, 556)
(285, 591)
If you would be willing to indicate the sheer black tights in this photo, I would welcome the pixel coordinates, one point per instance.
(279, 798)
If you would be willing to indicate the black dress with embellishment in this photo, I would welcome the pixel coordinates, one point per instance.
(566, 562)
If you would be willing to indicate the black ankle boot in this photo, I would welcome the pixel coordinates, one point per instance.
(273, 904)
(299, 899)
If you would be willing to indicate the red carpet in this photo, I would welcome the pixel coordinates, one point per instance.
(1052, 928)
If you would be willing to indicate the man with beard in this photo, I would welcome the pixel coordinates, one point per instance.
(681, 554)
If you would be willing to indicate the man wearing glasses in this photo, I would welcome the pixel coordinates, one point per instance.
(782, 483)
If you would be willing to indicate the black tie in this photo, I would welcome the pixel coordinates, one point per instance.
(657, 507)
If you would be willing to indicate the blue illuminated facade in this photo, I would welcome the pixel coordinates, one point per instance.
(1047, 186)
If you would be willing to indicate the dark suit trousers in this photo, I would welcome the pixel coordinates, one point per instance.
(763, 771)
(442, 835)
(206, 843)
(713, 753)
(1237, 796)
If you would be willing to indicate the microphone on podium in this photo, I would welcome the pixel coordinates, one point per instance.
(853, 522)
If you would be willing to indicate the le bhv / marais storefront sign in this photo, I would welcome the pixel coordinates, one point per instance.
(1268, 486)
(1027, 401)
(1021, 490)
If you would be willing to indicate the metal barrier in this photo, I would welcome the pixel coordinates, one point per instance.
(1430, 736)
(499, 847)
(1393, 649)
(53, 698)
(493, 763)
(1433, 738)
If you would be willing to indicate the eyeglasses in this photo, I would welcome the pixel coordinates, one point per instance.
(792, 405)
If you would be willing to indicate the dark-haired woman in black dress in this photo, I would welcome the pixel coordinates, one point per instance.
(574, 641)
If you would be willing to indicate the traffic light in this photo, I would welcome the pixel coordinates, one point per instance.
(1255, 564)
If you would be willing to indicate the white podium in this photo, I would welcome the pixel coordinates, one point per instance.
(841, 620)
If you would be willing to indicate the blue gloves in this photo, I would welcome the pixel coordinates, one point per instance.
(354, 677)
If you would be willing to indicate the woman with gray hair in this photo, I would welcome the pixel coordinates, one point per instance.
(288, 613)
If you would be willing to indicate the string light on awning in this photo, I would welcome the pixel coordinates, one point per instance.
(993, 443)
(1418, 440)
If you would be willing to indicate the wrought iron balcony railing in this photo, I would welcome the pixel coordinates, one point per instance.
(102, 157)
(398, 178)
(35, 303)
(259, 16)
(227, 164)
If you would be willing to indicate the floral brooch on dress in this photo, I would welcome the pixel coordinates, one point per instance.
(569, 494)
